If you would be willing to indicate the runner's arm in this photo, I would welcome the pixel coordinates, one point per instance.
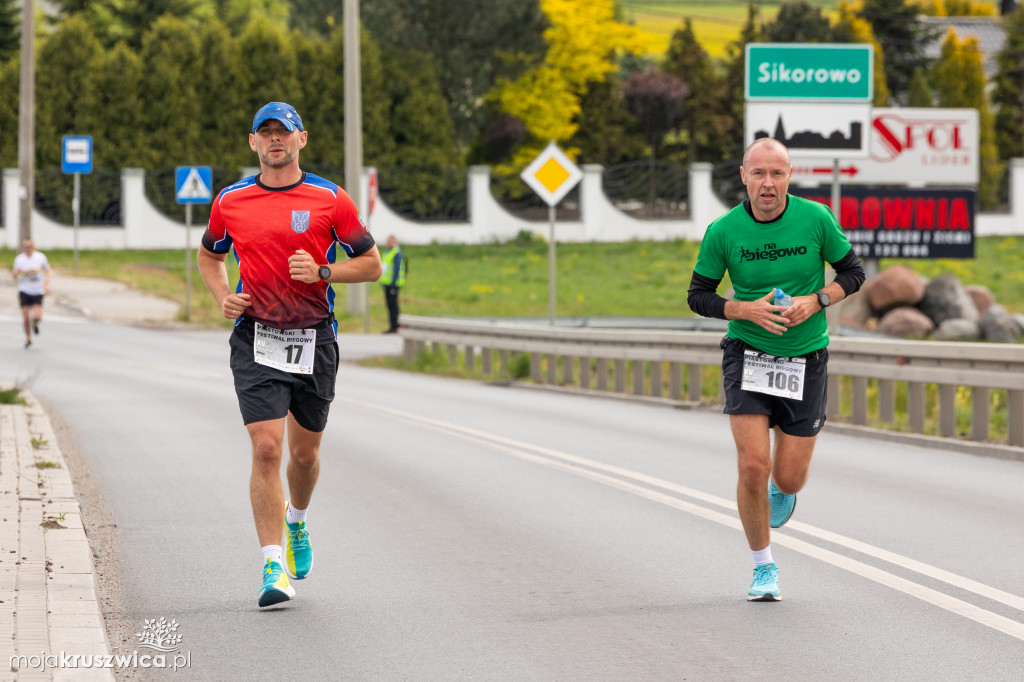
(215, 275)
(365, 267)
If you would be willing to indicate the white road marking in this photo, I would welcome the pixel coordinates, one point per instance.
(592, 470)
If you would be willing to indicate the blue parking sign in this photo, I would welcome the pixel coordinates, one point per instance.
(76, 154)
(193, 184)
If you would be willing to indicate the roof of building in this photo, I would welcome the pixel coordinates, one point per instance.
(988, 30)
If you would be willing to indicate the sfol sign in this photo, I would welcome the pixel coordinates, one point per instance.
(908, 147)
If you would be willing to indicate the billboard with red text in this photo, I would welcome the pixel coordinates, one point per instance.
(890, 222)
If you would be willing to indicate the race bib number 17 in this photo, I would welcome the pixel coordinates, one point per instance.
(289, 350)
(784, 377)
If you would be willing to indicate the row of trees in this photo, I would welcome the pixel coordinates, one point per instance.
(452, 82)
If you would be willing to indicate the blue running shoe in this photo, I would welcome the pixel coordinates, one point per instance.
(276, 588)
(298, 554)
(782, 505)
(766, 584)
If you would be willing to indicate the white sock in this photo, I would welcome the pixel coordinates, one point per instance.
(294, 515)
(272, 552)
(762, 556)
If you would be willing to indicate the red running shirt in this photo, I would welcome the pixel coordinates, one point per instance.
(266, 225)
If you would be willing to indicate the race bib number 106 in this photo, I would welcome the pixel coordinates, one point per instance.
(784, 377)
(289, 350)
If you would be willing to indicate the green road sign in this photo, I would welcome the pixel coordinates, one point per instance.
(831, 72)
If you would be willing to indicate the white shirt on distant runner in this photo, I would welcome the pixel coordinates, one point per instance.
(31, 273)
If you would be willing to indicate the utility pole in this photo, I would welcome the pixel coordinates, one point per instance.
(26, 122)
(353, 133)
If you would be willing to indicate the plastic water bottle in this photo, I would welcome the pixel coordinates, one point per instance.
(782, 298)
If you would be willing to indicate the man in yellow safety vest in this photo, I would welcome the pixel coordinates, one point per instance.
(396, 266)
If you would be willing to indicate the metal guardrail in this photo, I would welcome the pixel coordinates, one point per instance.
(654, 363)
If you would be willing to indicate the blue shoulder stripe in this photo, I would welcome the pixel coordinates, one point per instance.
(241, 184)
(317, 181)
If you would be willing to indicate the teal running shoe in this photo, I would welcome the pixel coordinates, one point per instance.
(765, 586)
(276, 587)
(298, 554)
(782, 505)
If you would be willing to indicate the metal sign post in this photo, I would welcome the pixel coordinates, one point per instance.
(371, 202)
(76, 158)
(551, 175)
(193, 185)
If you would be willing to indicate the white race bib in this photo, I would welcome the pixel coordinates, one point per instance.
(784, 377)
(289, 350)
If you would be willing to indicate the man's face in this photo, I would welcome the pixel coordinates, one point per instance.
(276, 146)
(28, 247)
(766, 172)
(392, 242)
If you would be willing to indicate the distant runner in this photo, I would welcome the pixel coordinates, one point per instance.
(32, 272)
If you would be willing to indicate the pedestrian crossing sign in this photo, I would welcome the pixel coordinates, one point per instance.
(552, 174)
(193, 184)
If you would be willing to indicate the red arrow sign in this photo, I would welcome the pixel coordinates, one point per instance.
(823, 170)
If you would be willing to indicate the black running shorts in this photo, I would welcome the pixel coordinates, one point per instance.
(268, 393)
(29, 300)
(794, 417)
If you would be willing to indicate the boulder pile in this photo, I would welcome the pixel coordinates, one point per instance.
(899, 302)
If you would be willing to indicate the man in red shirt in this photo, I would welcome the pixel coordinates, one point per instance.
(285, 226)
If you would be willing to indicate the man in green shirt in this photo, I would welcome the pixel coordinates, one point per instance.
(775, 357)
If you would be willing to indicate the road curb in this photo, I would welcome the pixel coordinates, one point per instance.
(47, 570)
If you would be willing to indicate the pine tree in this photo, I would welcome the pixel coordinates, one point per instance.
(1008, 95)
(959, 77)
(687, 59)
(10, 28)
(171, 75)
(66, 61)
(920, 94)
(903, 38)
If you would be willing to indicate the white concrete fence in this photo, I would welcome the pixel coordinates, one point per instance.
(143, 227)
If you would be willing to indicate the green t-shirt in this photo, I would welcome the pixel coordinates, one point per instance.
(789, 252)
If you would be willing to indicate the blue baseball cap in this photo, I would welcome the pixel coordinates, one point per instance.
(285, 113)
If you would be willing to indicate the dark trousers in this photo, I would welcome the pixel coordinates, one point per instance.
(391, 298)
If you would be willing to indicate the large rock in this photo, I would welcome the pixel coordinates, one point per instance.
(982, 297)
(945, 299)
(893, 287)
(998, 325)
(854, 311)
(957, 329)
(906, 322)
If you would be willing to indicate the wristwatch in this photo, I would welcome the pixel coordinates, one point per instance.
(823, 299)
(325, 271)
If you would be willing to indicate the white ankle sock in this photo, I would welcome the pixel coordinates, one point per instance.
(272, 552)
(762, 556)
(294, 515)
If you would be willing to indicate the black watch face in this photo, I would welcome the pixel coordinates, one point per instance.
(823, 299)
(325, 272)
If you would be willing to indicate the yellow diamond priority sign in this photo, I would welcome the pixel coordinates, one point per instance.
(552, 174)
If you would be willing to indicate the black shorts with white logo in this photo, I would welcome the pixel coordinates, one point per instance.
(794, 417)
(268, 393)
(29, 300)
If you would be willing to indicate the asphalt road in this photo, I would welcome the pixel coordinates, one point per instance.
(472, 532)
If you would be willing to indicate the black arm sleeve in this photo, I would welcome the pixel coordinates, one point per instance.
(703, 299)
(849, 273)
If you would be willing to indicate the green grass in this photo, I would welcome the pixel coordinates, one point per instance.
(11, 396)
(715, 23)
(636, 279)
